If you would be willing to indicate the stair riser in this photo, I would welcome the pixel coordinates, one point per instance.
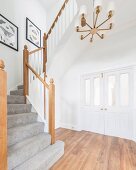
(17, 92)
(15, 99)
(18, 134)
(16, 108)
(29, 150)
(21, 119)
(20, 87)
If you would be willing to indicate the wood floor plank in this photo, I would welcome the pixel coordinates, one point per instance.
(91, 151)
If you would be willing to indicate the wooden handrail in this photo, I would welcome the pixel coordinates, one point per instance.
(38, 76)
(56, 19)
(3, 117)
(36, 50)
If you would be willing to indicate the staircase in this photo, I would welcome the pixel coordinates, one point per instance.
(24, 144)
(29, 147)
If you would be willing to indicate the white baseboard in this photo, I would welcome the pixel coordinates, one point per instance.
(134, 139)
(68, 126)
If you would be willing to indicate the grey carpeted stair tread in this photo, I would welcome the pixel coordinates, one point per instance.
(44, 159)
(20, 152)
(21, 119)
(14, 99)
(18, 133)
(20, 87)
(19, 108)
(19, 92)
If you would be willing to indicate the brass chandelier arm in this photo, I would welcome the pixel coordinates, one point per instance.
(89, 25)
(106, 29)
(99, 35)
(83, 31)
(86, 36)
(96, 20)
(91, 40)
(103, 22)
(93, 19)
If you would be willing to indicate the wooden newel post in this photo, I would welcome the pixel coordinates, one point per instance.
(3, 117)
(25, 71)
(52, 110)
(44, 52)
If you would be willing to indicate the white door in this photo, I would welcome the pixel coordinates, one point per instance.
(92, 117)
(118, 105)
(108, 102)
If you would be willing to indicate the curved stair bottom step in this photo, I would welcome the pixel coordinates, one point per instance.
(26, 149)
(44, 159)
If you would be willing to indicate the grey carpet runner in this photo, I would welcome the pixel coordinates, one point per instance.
(28, 145)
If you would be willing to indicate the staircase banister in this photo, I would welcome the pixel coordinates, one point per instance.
(38, 76)
(56, 18)
(3, 117)
(36, 50)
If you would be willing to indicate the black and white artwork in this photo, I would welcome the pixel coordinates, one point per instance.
(8, 33)
(33, 33)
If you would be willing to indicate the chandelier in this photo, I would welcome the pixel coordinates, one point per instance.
(95, 29)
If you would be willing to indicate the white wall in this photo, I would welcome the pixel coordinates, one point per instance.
(113, 52)
(17, 11)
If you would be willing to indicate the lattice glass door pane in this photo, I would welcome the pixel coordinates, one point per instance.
(111, 90)
(124, 89)
(97, 91)
(87, 92)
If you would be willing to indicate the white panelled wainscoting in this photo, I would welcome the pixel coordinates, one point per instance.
(108, 102)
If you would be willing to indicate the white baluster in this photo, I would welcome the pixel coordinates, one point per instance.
(37, 56)
(51, 47)
(63, 21)
(71, 10)
(48, 46)
(75, 7)
(29, 70)
(34, 65)
(59, 30)
(41, 62)
(66, 17)
(55, 35)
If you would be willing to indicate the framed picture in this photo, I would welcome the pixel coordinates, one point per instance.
(33, 33)
(8, 33)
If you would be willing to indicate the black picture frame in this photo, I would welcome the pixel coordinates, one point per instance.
(31, 33)
(8, 33)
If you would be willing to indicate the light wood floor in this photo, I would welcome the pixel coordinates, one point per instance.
(90, 151)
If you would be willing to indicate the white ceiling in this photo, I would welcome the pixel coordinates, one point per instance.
(49, 3)
(123, 33)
